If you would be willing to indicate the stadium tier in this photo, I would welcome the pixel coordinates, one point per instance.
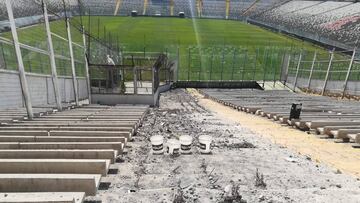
(336, 20)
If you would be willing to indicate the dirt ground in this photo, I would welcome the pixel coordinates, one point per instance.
(244, 166)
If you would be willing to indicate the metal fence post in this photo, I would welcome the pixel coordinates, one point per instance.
(312, 70)
(244, 65)
(178, 64)
(233, 64)
(52, 59)
(73, 72)
(287, 70)
(87, 74)
(189, 55)
(297, 71)
(23, 81)
(255, 63)
(265, 64)
(328, 72)
(135, 80)
(273, 66)
(211, 63)
(348, 73)
(222, 63)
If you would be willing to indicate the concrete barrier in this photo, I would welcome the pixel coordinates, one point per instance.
(43, 197)
(107, 154)
(87, 183)
(61, 166)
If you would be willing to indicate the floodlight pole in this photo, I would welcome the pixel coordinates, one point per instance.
(22, 75)
(52, 59)
(87, 74)
(297, 71)
(312, 70)
(348, 72)
(328, 72)
(73, 72)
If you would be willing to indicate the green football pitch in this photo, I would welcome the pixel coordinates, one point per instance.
(208, 49)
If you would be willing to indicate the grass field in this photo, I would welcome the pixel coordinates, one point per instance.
(209, 49)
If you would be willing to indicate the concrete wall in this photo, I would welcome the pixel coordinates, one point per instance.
(41, 89)
(113, 99)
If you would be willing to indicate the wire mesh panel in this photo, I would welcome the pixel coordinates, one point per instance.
(7, 51)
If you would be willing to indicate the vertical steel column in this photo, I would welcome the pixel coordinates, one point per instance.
(52, 59)
(348, 72)
(328, 72)
(312, 70)
(297, 71)
(73, 72)
(22, 75)
(87, 74)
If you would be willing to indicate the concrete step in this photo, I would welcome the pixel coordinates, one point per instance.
(65, 128)
(87, 183)
(25, 132)
(316, 124)
(107, 154)
(90, 133)
(61, 166)
(12, 138)
(62, 145)
(43, 197)
(355, 137)
(86, 120)
(80, 124)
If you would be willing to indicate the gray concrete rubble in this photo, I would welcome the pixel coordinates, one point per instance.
(243, 166)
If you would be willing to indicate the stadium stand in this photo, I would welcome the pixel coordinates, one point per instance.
(333, 19)
(213, 9)
(131, 5)
(158, 7)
